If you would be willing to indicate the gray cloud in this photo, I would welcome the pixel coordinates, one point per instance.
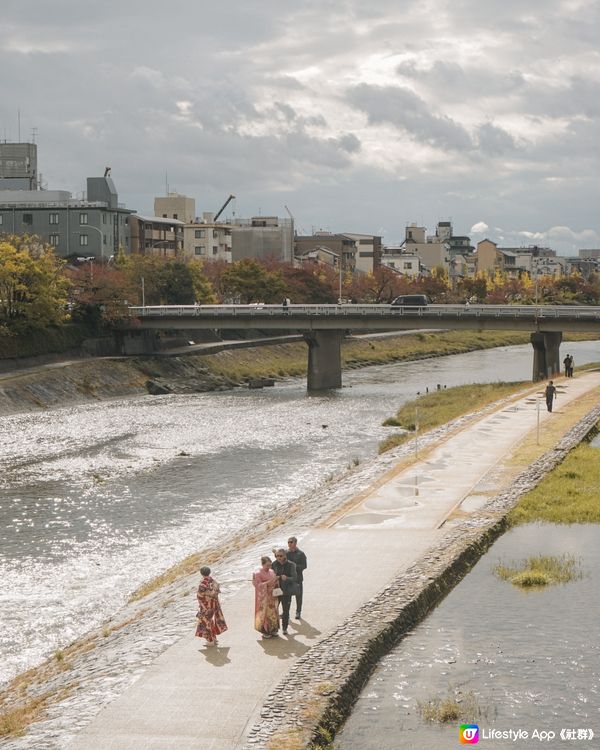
(405, 110)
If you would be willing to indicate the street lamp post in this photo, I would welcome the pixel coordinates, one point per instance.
(100, 232)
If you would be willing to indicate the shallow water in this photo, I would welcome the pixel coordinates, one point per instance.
(531, 658)
(98, 498)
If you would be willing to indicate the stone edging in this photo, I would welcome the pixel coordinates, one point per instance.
(304, 711)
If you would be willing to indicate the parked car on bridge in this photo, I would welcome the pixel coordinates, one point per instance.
(411, 300)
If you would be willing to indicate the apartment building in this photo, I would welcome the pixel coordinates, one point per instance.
(96, 226)
(156, 235)
(339, 245)
(262, 237)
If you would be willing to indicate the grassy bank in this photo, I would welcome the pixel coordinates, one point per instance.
(287, 360)
(569, 494)
(440, 407)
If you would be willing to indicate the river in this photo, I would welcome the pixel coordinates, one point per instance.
(96, 499)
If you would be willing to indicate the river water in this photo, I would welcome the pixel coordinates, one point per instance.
(530, 659)
(96, 499)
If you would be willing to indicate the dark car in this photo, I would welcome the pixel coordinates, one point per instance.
(411, 300)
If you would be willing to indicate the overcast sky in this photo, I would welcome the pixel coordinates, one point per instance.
(359, 116)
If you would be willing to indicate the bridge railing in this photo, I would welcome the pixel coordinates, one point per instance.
(385, 311)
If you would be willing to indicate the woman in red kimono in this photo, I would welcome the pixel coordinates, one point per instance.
(266, 613)
(210, 615)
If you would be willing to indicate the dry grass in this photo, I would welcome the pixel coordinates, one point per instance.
(540, 570)
(453, 707)
(15, 719)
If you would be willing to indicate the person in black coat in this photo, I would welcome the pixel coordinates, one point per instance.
(285, 570)
(299, 558)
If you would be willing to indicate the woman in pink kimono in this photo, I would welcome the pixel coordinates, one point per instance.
(210, 615)
(266, 606)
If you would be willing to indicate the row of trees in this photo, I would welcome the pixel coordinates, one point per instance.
(37, 289)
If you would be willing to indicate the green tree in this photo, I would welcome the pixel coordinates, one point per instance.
(33, 287)
(248, 281)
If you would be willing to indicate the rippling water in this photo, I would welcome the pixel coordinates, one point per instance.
(531, 659)
(96, 499)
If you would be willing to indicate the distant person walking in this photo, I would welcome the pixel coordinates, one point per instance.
(550, 394)
(299, 559)
(266, 605)
(568, 363)
(285, 570)
(211, 622)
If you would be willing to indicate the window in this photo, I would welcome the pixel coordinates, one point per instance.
(28, 219)
(199, 250)
(175, 216)
(408, 264)
(83, 239)
(83, 218)
(164, 216)
(104, 218)
(200, 234)
(215, 249)
(215, 233)
(53, 218)
(1, 220)
(54, 240)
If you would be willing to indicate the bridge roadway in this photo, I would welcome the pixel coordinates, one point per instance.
(325, 325)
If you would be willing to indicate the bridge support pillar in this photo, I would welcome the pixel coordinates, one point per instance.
(546, 356)
(324, 359)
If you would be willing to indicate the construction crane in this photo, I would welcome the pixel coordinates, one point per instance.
(223, 207)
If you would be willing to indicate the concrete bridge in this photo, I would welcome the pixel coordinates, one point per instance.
(324, 326)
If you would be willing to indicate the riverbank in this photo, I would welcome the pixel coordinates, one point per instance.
(112, 658)
(106, 378)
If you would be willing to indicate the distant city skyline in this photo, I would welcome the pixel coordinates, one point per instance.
(361, 119)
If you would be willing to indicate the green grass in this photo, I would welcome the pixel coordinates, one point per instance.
(440, 407)
(569, 494)
(540, 570)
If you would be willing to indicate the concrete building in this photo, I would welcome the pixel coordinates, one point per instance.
(404, 263)
(156, 235)
(341, 245)
(205, 239)
(18, 166)
(516, 261)
(368, 251)
(96, 226)
(175, 206)
(263, 238)
(590, 253)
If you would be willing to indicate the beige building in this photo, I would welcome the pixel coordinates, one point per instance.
(404, 263)
(205, 239)
(175, 206)
(368, 251)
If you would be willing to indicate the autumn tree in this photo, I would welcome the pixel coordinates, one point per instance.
(33, 287)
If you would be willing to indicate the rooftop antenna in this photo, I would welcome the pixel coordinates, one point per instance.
(166, 183)
(19, 124)
(33, 134)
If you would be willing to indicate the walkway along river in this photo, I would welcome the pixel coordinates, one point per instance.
(96, 499)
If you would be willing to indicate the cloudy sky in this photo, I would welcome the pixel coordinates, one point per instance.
(482, 112)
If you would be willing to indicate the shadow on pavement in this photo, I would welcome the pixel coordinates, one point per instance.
(304, 628)
(218, 656)
(283, 647)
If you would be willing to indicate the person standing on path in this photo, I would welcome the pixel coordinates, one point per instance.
(285, 570)
(568, 363)
(571, 365)
(299, 559)
(550, 394)
(266, 605)
(211, 622)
